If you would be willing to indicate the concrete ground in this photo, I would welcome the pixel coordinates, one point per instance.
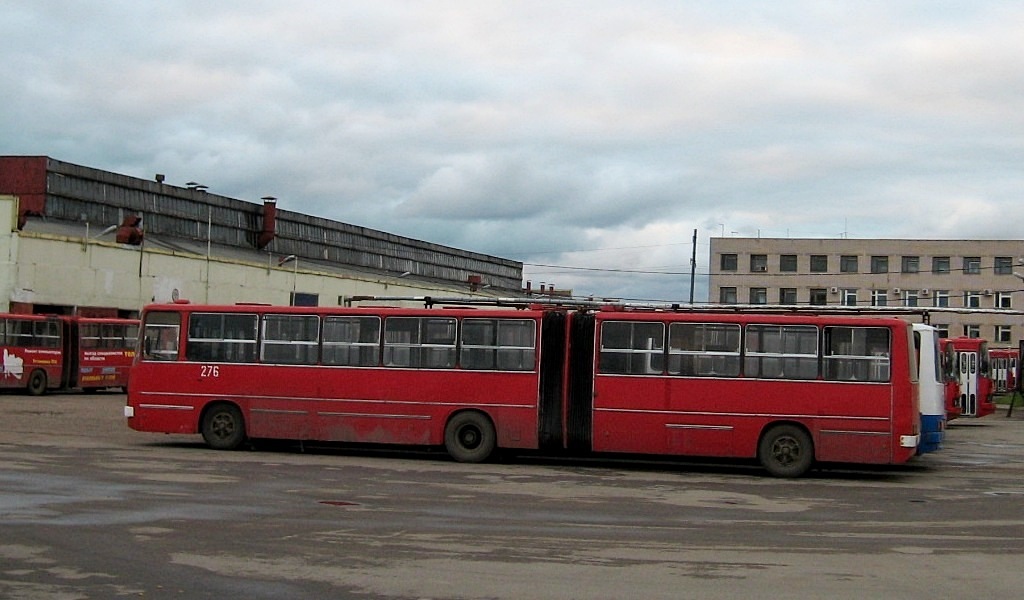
(91, 509)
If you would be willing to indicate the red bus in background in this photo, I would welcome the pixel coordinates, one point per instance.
(49, 352)
(788, 390)
(99, 352)
(951, 372)
(974, 377)
(1004, 368)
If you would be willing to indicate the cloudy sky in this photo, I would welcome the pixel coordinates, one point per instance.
(587, 139)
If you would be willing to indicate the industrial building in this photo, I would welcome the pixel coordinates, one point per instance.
(977, 274)
(79, 240)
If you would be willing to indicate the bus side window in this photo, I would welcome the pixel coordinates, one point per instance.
(160, 336)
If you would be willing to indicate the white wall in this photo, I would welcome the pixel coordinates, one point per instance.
(70, 271)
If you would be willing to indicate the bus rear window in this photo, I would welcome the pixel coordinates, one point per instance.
(857, 354)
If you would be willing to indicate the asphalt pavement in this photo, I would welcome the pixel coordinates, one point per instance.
(92, 509)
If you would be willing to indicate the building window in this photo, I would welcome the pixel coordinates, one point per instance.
(879, 297)
(1003, 265)
(1004, 334)
(758, 295)
(943, 329)
(819, 263)
(879, 264)
(910, 264)
(910, 297)
(818, 297)
(758, 263)
(848, 263)
(1004, 300)
(727, 295)
(972, 299)
(941, 299)
(849, 297)
(787, 295)
(304, 299)
(972, 265)
(940, 264)
(730, 262)
(972, 331)
(787, 263)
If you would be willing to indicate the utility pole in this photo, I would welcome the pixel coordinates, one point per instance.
(693, 265)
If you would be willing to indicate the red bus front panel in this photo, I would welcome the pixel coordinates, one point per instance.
(974, 376)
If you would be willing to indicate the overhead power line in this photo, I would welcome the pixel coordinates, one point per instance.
(603, 270)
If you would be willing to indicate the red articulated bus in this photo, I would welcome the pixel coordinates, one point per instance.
(99, 352)
(46, 352)
(788, 390)
(974, 373)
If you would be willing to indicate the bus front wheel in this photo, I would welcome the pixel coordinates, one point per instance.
(223, 427)
(469, 437)
(37, 383)
(786, 451)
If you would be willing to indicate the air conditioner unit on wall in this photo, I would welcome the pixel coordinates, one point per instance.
(895, 290)
(987, 292)
(925, 292)
(834, 290)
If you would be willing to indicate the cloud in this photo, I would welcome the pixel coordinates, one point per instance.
(548, 132)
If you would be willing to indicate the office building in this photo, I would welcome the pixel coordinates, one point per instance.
(975, 274)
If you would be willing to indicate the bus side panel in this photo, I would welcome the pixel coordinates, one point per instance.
(580, 396)
(339, 404)
(103, 368)
(19, 363)
(725, 417)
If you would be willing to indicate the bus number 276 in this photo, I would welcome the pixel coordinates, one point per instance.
(209, 371)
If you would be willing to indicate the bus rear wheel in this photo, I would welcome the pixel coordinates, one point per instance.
(223, 427)
(786, 451)
(470, 437)
(37, 383)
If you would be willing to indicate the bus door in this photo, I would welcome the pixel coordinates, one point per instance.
(69, 348)
(968, 377)
(580, 394)
(550, 421)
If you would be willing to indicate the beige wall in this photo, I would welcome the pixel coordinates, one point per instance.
(8, 245)
(46, 269)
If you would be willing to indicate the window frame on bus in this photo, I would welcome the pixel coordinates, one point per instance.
(237, 341)
(504, 349)
(351, 340)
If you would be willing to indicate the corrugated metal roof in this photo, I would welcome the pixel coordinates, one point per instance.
(190, 218)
